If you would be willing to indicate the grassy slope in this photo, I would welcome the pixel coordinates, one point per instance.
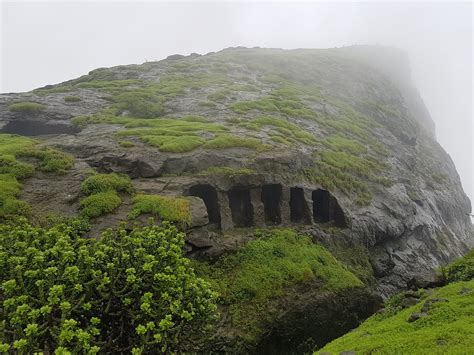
(251, 280)
(448, 328)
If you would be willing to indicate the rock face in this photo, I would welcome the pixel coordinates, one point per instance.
(316, 139)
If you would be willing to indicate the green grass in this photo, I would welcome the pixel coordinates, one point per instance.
(173, 209)
(72, 99)
(461, 269)
(448, 329)
(343, 144)
(99, 204)
(226, 141)
(264, 269)
(126, 144)
(26, 107)
(225, 170)
(106, 182)
(173, 144)
(13, 149)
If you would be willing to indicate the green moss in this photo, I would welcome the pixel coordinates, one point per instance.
(72, 99)
(225, 141)
(126, 144)
(225, 170)
(174, 209)
(264, 269)
(26, 107)
(448, 328)
(171, 144)
(99, 204)
(106, 182)
(342, 144)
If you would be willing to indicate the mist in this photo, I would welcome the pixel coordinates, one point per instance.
(49, 42)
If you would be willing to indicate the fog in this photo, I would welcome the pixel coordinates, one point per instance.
(49, 42)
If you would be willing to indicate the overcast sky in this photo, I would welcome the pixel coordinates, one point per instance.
(49, 42)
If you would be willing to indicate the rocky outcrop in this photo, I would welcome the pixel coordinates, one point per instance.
(413, 224)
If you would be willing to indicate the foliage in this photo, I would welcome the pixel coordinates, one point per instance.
(226, 141)
(72, 99)
(99, 204)
(226, 170)
(264, 269)
(126, 144)
(12, 170)
(26, 107)
(448, 328)
(106, 182)
(174, 209)
(174, 144)
(126, 292)
(461, 269)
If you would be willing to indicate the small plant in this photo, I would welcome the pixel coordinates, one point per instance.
(106, 182)
(26, 107)
(126, 144)
(99, 204)
(225, 141)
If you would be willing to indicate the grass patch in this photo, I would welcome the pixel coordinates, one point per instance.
(106, 182)
(264, 269)
(126, 144)
(172, 144)
(449, 328)
(72, 99)
(26, 107)
(226, 141)
(174, 209)
(225, 170)
(99, 204)
(12, 170)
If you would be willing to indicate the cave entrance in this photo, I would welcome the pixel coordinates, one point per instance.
(327, 209)
(298, 206)
(241, 207)
(271, 198)
(209, 195)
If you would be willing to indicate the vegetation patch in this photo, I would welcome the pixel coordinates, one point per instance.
(12, 170)
(264, 269)
(99, 204)
(226, 141)
(128, 292)
(173, 209)
(226, 170)
(26, 107)
(106, 182)
(72, 99)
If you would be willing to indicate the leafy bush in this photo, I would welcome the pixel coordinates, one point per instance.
(72, 99)
(99, 204)
(124, 293)
(106, 182)
(461, 269)
(26, 107)
(174, 209)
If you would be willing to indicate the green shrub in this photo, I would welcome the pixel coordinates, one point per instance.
(106, 182)
(171, 144)
(461, 269)
(138, 105)
(26, 107)
(174, 209)
(128, 292)
(52, 161)
(72, 98)
(99, 204)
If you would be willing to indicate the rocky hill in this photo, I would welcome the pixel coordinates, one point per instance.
(335, 144)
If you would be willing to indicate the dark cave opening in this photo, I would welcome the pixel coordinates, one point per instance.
(298, 206)
(37, 128)
(209, 195)
(241, 207)
(271, 198)
(327, 209)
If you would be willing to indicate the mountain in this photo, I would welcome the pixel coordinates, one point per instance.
(335, 144)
